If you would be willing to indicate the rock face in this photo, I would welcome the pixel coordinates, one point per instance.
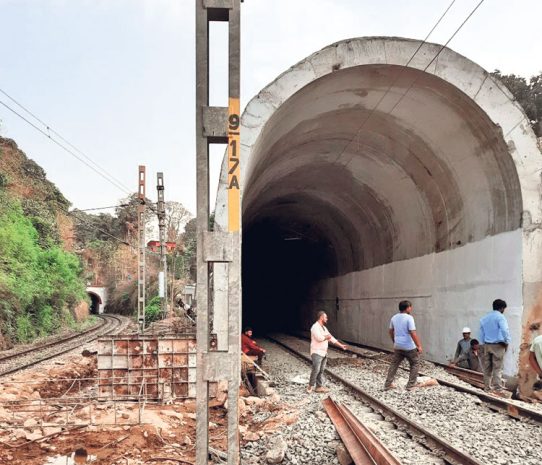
(277, 450)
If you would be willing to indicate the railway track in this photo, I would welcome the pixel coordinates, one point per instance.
(498, 404)
(362, 444)
(12, 363)
(438, 446)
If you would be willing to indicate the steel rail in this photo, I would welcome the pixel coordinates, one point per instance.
(472, 377)
(437, 445)
(497, 404)
(63, 351)
(53, 343)
(362, 445)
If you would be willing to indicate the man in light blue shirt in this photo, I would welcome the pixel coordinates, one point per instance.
(406, 344)
(495, 337)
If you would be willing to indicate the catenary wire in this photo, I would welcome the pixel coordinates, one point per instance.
(396, 79)
(437, 55)
(71, 152)
(50, 129)
(404, 67)
(102, 208)
(85, 223)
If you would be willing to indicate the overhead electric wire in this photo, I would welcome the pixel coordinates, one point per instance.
(85, 223)
(405, 67)
(438, 53)
(101, 208)
(96, 168)
(396, 79)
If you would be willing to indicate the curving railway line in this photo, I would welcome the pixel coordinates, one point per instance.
(13, 362)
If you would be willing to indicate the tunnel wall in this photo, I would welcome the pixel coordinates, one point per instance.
(458, 282)
(449, 290)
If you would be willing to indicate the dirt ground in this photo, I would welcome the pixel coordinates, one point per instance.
(62, 396)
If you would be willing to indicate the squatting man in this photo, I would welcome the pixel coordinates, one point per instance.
(320, 338)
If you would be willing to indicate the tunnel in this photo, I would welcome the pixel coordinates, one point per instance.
(366, 182)
(95, 303)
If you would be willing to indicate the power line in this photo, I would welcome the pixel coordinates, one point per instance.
(96, 168)
(396, 79)
(438, 53)
(101, 208)
(405, 67)
(85, 223)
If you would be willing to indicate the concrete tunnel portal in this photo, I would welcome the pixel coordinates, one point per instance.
(433, 196)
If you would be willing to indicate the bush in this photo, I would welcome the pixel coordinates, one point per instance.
(25, 328)
(45, 320)
(38, 283)
(152, 310)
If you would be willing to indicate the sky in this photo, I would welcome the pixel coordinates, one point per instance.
(116, 78)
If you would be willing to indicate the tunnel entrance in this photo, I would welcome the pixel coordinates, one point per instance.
(366, 182)
(281, 261)
(95, 303)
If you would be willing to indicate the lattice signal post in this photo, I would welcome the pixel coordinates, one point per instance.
(218, 125)
(142, 248)
(161, 212)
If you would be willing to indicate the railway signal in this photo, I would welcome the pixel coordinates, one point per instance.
(161, 212)
(142, 249)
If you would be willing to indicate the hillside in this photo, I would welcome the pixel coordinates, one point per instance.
(41, 283)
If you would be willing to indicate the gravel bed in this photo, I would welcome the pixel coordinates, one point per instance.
(313, 438)
(461, 419)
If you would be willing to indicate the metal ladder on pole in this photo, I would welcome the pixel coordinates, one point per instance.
(218, 125)
(141, 277)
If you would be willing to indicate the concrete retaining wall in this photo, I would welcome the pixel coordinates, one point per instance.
(449, 290)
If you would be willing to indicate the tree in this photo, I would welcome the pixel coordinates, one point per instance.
(127, 216)
(91, 228)
(177, 216)
(528, 94)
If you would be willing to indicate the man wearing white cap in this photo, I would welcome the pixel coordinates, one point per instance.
(461, 357)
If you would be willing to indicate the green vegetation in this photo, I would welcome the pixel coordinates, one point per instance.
(152, 310)
(39, 281)
(529, 95)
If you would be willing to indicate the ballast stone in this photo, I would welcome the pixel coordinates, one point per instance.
(277, 450)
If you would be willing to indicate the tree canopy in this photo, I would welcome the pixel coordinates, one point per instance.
(528, 93)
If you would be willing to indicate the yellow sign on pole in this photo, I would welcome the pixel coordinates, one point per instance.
(234, 167)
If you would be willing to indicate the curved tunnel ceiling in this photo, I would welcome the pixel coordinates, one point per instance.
(427, 174)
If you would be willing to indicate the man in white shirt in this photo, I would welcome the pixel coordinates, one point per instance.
(406, 344)
(320, 337)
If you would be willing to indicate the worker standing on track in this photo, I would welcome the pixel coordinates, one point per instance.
(406, 344)
(320, 337)
(462, 351)
(495, 337)
(249, 346)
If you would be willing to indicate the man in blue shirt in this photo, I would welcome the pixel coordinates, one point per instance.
(406, 344)
(495, 337)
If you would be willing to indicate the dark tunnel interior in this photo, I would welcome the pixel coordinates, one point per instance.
(280, 264)
(94, 303)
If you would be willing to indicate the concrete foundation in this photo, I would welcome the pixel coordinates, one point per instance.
(366, 182)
